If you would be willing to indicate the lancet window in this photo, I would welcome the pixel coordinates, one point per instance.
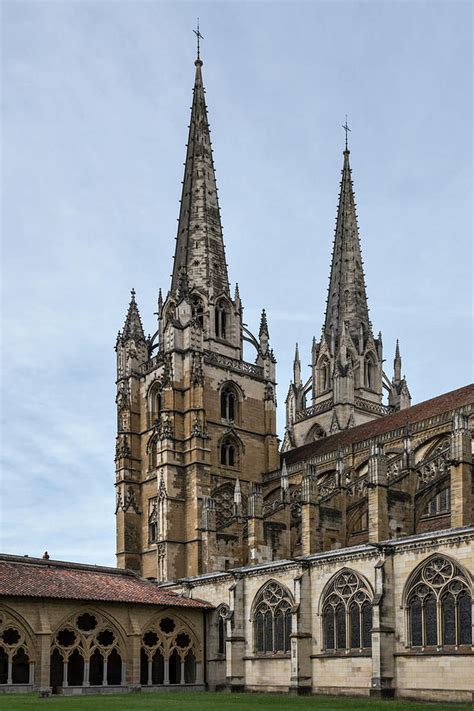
(154, 405)
(152, 520)
(272, 619)
(228, 452)
(439, 606)
(221, 320)
(222, 613)
(228, 403)
(347, 614)
(369, 373)
(169, 654)
(86, 651)
(16, 655)
(439, 504)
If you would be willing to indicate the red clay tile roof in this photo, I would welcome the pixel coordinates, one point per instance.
(34, 577)
(416, 413)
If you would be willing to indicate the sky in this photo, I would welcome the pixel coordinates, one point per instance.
(95, 109)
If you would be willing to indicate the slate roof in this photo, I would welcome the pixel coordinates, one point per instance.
(35, 577)
(422, 411)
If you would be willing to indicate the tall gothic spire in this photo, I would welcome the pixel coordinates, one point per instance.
(199, 242)
(347, 298)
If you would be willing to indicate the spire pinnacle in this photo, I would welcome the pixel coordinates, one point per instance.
(397, 364)
(133, 328)
(263, 324)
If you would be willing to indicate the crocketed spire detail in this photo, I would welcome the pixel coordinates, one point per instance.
(199, 242)
(133, 328)
(347, 298)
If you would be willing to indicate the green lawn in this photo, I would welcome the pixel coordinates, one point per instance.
(201, 701)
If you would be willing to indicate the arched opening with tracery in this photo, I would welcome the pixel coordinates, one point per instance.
(87, 650)
(222, 320)
(154, 404)
(229, 402)
(16, 652)
(438, 604)
(197, 307)
(347, 613)
(169, 654)
(324, 375)
(369, 372)
(272, 619)
(229, 451)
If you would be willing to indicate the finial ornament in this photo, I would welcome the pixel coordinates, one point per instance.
(198, 37)
(347, 130)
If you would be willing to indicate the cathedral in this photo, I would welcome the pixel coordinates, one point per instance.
(337, 561)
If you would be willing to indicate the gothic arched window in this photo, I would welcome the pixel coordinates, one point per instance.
(221, 320)
(325, 374)
(222, 613)
(272, 619)
(16, 654)
(228, 453)
(154, 404)
(228, 403)
(347, 613)
(439, 605)
(87, 636)
(169, 654)
(152, 520)
(369, 372)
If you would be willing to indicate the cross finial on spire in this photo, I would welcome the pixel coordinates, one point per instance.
(198, 37)
(347, 130)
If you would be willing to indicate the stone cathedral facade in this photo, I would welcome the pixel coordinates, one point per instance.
(339, 562)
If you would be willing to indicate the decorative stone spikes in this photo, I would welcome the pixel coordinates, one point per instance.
(461, 439)
(297, 367)
(237, 301)
(308, 487)
(347, 298)
(263, 335)
(237, 493)
(199, 243)
(397, 364)
(408, 458)
(255, 502)
(340, 469)
(284, 481)
(133, 329)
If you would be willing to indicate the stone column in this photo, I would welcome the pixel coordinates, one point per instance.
(383, 631)
(310, 515)
(65, 668)
(85, 679)
(104, 675)
(235, 638)
(166, 672)
(31, 679)
(181, 681)
(461, 472)
(149, 680)
(301, 672)
(377, 494)
(9, 671)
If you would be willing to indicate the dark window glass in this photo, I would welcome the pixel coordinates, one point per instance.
(20, 668)
(279, 631)
(158, 668)
(340, 627)
(143, 668)
(415, 623)
(449, 619)
(430, 621)
(288, 631)
(367, 625)
(4, 666)
(75, 669)
(329, 628)
(268, 632)
(259, 626)
(465, 618)
(221, 632)
(354, 614)
(96, 669)
(114, 669)
(190, 668)
(175, 668)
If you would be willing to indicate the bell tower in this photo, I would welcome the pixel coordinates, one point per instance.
(196, 423)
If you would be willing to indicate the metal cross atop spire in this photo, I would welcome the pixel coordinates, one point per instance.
(346, 129)
(198, 37)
